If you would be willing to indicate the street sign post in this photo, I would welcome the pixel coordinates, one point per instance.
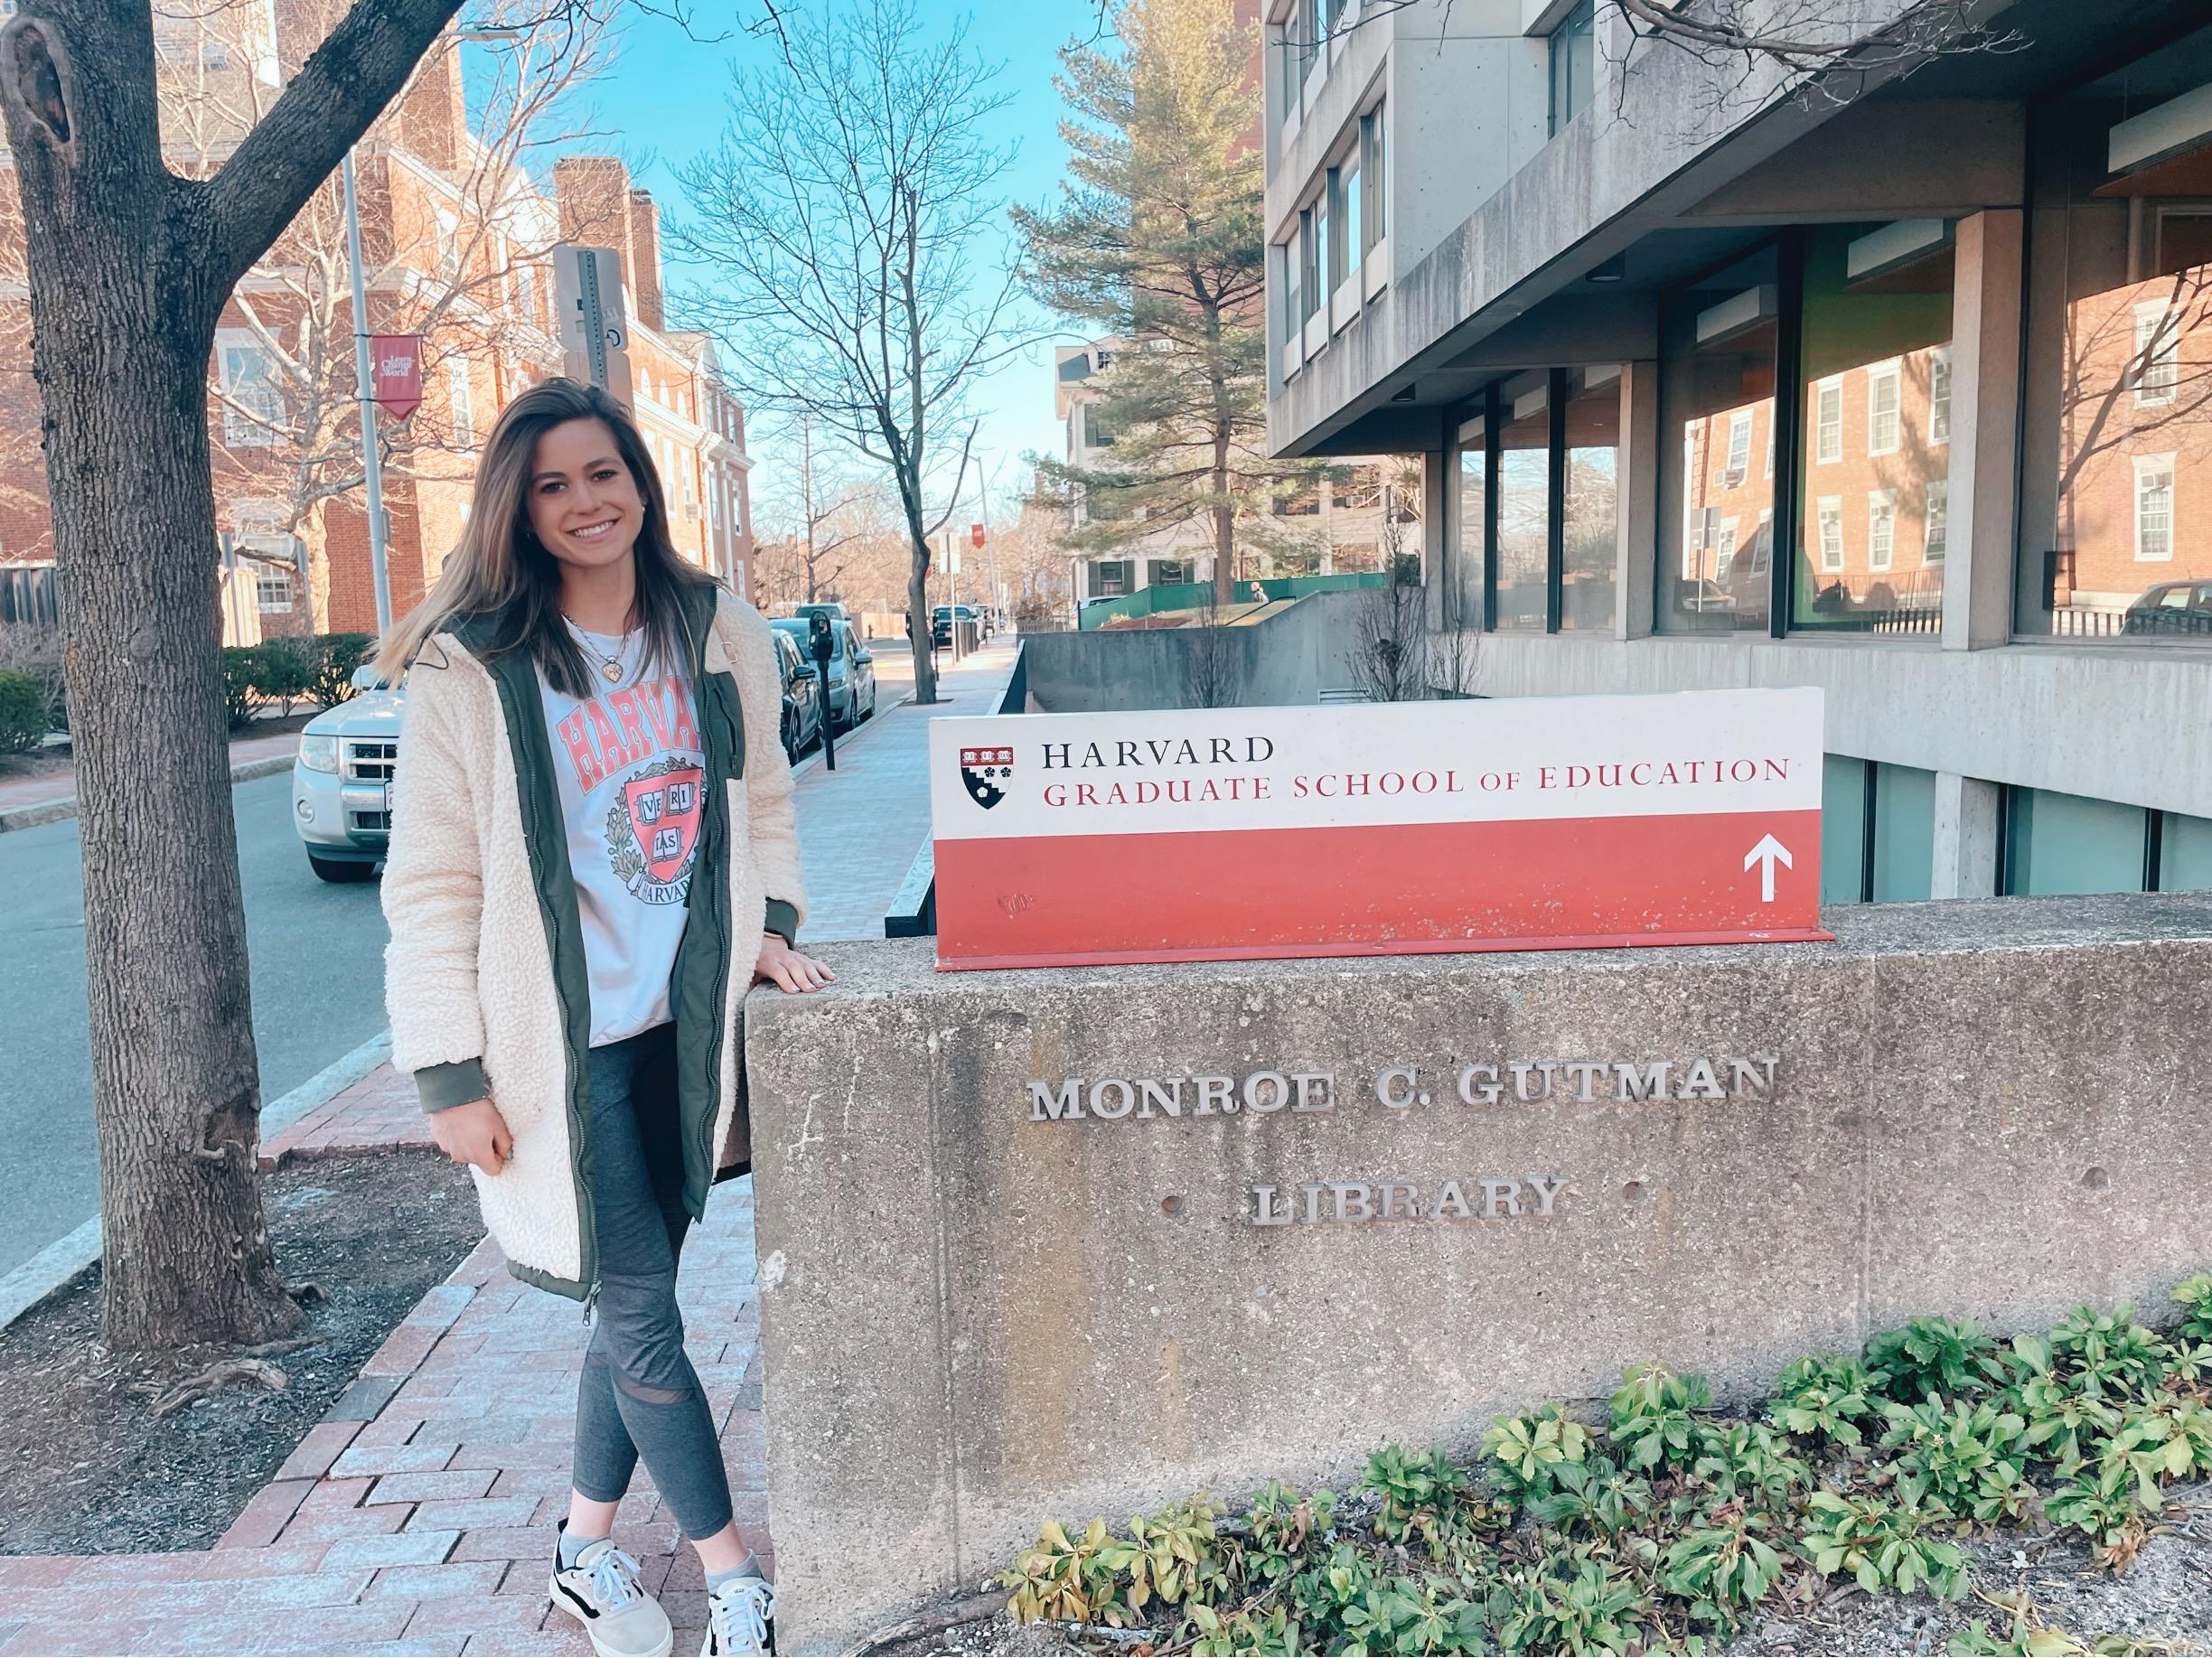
(1377, 829)
(593, 318)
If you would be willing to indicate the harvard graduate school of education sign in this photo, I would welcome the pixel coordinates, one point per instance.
(1554, 822)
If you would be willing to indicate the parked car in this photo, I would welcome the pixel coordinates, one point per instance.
(940, 622)
(851, 669)
(341, 781)
(2171, 607)
(832, 608)
(802, 707)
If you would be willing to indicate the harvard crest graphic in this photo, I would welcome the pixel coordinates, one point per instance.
(652, 829)
(985, 771)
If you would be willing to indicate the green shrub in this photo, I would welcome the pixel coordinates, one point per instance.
(243, 668)
(2194, 1297)
(1653, 1420)
(1935, 1356)
(1826, 1399)
(337, 655)
(287, 670)
(23, 713)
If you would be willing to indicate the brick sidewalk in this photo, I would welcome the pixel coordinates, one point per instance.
(25, 794)
(417, 1516)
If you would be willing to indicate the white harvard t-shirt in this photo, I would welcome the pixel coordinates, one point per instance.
(631, 768)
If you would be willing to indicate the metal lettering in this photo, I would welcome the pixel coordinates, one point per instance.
(1098, 1098)
(1169, 1099)
(1044, 1105)
(1753, 1075)
(1400, 1200)
(1492, 1088)
(1646, 1082)
(1215, 1093)
(1388, 1095)
(1586, 1073)
(1344, 1191)
(1278, 1095)
(1521, 1080)
(1500, 1192)
(1700, 1083)
(1265, 1212)
(1313, 1190)
(1451, 1203)
(1547, 1188)
(1305, 1082)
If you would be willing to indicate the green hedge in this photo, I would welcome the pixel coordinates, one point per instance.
(24, 713)
(289, 669)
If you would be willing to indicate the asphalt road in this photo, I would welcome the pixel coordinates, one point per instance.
(317, 953)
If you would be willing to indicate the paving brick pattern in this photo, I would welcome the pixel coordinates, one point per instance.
(428, 1528)
(378, 1111)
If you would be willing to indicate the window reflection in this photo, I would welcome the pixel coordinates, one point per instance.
(1875, 524)
(1717, 509)
(1523, 538)
(1590, 539)
(1462, 589)
(2117, 506)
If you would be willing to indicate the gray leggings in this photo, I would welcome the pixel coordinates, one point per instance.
(638, 1394)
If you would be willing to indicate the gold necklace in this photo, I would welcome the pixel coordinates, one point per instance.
(610, 667)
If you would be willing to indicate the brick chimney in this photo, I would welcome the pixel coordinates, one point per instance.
(593, 192)
(645, 249)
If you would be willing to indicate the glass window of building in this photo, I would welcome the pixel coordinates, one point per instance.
(1345, 217)
(1876, 323)
(2116, 489)
(1574, 64)
(1590, 537)
(1462, 598)
(1717, 389)
(2063, 843)
(1877, 832)
(1524, 506)
(1293, 290)
(1310, 266)
(1373, 228)
(2185, 853)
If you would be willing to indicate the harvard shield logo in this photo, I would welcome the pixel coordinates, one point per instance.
(985, 771)
(653, 829)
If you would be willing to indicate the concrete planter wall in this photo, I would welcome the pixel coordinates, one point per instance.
(976, 1315)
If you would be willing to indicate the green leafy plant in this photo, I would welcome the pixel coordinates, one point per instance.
(23, 713)
(1829, 1400)
(1748, 1462)
(2100, 1502)
(1068, 1580)
(1573, 1606)
(2109, 1354)
(1881, 1542)
(1654, 1424)
(1528, 1450)
(1322, 1594)
(1936, 1357)
(243, 669)
(2193, 1295)
(1401, 1614)
(1973, 1457)
(1279, 1526)
(336, 656)
(1169, 1555)
(1592, 1495)
(1419, 1492)
(1724, 1568)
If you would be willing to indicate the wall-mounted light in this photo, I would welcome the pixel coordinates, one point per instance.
(1615, 270)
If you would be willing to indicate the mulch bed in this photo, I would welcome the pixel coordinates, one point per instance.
(86, 1467)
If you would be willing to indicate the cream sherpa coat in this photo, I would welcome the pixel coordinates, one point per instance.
(475, 901)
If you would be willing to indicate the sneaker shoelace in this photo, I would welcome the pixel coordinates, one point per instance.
(614, 1581)
(740, 1615)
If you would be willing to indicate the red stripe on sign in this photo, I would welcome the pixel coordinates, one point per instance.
(1068, 900)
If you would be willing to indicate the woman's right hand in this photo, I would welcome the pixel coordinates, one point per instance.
(474, 1133)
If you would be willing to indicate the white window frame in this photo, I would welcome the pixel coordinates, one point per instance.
(1892, 375)
(1725, 554)
(1827, 435)
(2147, 467)
(1939, 395)
(1827, 515)
(242, 430)
(461, 401)
(2159, 382)
(272, 590)
(1936, 526)
(1738, 464)
(1693, 517)
(1881, 515)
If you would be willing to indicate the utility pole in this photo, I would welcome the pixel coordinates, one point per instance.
(372, 463)
(806, 494)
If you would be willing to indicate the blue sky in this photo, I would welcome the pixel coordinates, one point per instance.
(664, 101)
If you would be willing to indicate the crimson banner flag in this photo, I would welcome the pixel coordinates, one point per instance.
(395, 371)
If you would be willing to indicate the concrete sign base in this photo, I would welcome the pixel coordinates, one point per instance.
(1077, 1243)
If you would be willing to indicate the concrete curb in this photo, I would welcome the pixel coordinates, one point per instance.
(65, 806)
(62, 1259)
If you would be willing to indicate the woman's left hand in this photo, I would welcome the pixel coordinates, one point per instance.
(798, 974)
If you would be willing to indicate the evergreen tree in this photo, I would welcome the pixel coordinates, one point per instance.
(1157, 240)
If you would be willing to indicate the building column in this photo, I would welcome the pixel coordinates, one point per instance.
(1440, 529)
(1965, 863)
(1636, 471)
(1985, 393)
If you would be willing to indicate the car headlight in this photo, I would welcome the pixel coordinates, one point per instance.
(319, 753)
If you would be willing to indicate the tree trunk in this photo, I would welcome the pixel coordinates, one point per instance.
(1225, 523)
(315, 537)
(123, 324)
(918, 617)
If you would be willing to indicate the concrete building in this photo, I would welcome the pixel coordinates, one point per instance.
(456, 241)
(1903, 389)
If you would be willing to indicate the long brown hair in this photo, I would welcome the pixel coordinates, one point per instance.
(502, 571)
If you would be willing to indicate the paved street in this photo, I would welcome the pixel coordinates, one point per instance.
(318, 992)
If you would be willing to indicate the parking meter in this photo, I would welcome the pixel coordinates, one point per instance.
(825, 647)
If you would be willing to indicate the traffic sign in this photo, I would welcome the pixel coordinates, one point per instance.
(1378, 828)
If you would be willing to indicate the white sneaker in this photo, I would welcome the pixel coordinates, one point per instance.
(602, 1592)
(740, 1619)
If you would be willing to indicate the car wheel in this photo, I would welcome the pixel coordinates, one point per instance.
(343, 870)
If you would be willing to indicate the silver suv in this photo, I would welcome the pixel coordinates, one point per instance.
(341, 781)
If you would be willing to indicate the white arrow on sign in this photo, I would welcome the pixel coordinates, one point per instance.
(1765, 854)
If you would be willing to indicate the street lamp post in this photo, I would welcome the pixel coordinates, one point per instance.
(372, 460)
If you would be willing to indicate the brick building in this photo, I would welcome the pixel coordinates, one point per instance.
(456, 243)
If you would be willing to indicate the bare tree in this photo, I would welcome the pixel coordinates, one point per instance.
(1391, 647)
(129, 265)
(850, 221)
(1213, 667)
